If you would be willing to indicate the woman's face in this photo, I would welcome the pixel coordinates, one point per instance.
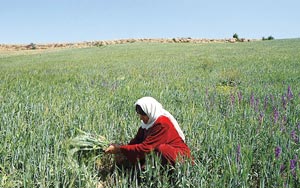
(144, 118)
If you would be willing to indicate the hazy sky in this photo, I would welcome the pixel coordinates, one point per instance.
(49, 21)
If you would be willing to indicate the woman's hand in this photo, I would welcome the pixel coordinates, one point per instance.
(113, 149)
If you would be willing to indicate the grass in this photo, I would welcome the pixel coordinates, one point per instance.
(231, 100)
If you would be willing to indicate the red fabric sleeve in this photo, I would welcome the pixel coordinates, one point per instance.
(157, 135)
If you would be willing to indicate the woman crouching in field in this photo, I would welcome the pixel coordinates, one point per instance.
(159, 132)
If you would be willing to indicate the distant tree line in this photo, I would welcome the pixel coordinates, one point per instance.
(236, 36)
(268, 38)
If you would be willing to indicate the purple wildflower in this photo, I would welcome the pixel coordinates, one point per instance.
(261, 118)
(282, 168)
(293, 165)
(293, 133)
(277, 152)
(232, 99)
(275, 114)
(238, 153)
(284, 120)
(289, 93)
(294, 136)
(256, 105)
(283, 123)
(240, 97)
(266, 102)
(252, 100)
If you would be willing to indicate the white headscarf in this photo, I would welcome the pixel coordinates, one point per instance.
(154, 109)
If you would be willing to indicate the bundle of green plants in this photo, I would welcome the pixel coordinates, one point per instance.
(86, 152)
(87, 147)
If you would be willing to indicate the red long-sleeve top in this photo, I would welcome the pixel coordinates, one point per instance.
(162, 132)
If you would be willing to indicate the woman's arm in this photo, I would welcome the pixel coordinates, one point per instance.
(157, 135)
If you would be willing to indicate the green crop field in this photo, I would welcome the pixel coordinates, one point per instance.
(238, 104)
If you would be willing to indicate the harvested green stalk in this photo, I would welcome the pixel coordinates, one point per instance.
(87, 145)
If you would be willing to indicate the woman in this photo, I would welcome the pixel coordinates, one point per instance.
(159, 132)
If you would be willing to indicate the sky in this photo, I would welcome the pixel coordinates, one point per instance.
(69, 21)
